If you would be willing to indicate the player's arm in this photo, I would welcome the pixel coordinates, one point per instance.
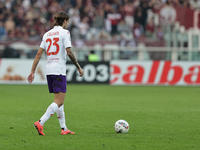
(73, 59)
(35, 63)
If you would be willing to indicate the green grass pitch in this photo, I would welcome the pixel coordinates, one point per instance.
(160, 118)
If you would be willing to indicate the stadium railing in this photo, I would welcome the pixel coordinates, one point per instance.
(140, 53)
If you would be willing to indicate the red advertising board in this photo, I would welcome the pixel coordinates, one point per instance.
(154, 73)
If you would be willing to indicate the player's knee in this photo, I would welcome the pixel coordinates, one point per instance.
(59, 103)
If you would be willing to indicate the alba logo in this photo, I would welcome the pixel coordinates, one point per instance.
(155, 72)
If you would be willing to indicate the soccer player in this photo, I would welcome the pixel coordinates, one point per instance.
(57, 43)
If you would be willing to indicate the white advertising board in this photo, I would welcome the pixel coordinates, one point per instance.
(16, 71)
(154, 73)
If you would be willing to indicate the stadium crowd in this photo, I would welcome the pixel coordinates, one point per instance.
(89, 19)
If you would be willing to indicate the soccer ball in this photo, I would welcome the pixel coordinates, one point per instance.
(121, 126)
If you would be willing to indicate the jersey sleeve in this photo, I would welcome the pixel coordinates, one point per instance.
(42, 45)
(67, 40)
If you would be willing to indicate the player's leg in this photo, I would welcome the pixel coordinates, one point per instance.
(49, 112)
(53, 87)
(59, 98)
(61, 117)
(58, 101)
(52, 107)
(61, 88)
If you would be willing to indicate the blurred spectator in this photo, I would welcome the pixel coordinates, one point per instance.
(137, 30)
(8, 4)
(181, 2)
(11, 35)
(129, 13)
(159, 33)
(54, 7)
(97, 26)
(9, 24)
(104, 35)
(114, 17)
(157, 4)
(98, 21)
(30, 15)
(177, 3)
(83, 27)
(139, 20)
(73, 2)
(26, 4)
(42, 3)
(3, 32)
(122, 27)
(92, 57)
(167, 13)
(195, 4)
(187, 5)
(123, 43)
(150, 28)
(24, 31)
(89, 11)
(144, 8)
(43, 15)
(107, 19)
(74, 31)
(18, 33)
(108, 25)
(74, 14)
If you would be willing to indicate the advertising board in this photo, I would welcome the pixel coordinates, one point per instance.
(15, 71)
(155, 73)
(94, 72)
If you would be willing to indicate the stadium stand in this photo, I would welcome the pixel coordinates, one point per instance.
(150, 22)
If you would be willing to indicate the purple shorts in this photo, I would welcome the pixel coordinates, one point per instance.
(57, 83)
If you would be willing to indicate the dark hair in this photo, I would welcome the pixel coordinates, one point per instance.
(60, 17)
(92, 51)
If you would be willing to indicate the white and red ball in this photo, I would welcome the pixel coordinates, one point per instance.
(121, 126)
